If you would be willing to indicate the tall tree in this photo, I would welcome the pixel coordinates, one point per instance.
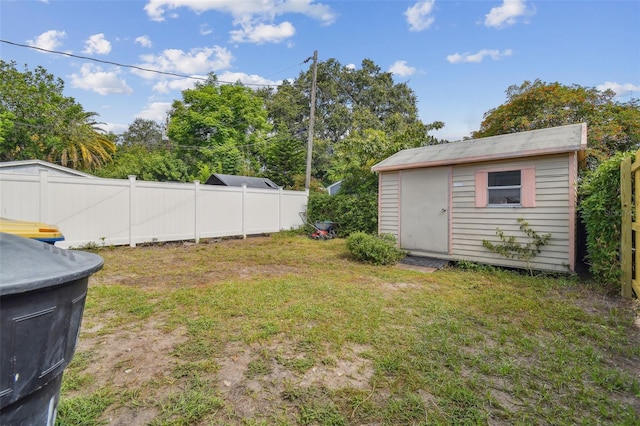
(147, 133)
(222, 126)
(348, 101)
(612, 126)
(46, 124)
(151, 165)
(284, 161)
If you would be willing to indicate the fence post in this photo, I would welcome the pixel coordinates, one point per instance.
(280, 196)
(244, 215)
(132, 187)
(196, 234)
(626, 231)
(43, 214)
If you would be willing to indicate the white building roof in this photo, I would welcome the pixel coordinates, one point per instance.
(33, 167)
(555, 140)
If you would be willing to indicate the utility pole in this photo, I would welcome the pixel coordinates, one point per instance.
(312, 113)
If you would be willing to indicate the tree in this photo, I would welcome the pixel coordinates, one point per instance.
(220, 125)
(150, 165)
(46, 124)
(612, 126)
(143, 132)
(366, 146)
(352, 104)
(285, 160)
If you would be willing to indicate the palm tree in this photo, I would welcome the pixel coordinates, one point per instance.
(79, 142)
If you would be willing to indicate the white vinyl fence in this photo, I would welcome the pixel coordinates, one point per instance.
(129, 212)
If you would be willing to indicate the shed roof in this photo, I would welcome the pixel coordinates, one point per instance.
(554, 140)
(233, 180)
(33, 167)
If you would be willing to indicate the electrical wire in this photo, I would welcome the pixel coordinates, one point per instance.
(136, 67)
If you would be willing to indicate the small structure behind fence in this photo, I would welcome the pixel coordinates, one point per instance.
(630, 193)
(130, 212)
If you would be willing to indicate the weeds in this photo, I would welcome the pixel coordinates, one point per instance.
(274, 323)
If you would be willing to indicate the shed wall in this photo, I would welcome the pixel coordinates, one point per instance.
(551, 214)
(389, 204)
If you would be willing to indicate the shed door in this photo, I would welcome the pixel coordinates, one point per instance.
(424, 215)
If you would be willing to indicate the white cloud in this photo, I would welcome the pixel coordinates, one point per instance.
(97, 44)
(619, 89)
(263, 33)
(507, 14)
(351, 67)
(92, 77)
(401, 68)
(156, 111)
(205, 29)
(196, 61)
(419, 16)
(253, 80)
(48, 40)
(255, 18)
(166, 86)
(114, 127)
(478, 57)
(144, 41)
(243, 10)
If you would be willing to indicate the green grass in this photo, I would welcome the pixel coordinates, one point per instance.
(460, 346)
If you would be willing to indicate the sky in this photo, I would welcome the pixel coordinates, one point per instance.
(459, 57)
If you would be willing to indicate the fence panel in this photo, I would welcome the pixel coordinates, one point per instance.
(262, 211)
(20, 197)
(219, 211)
(163, 211)
(89, 210)
(120, 211)
(630, 195)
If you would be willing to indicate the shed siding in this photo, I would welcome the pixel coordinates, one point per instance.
(389, 203)
(471, 225)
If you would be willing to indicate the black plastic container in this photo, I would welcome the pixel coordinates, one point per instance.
(43, 290)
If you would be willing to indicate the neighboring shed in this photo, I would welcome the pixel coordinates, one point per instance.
(334, 188)
(232, 180)
(33, 167)
(444, 200)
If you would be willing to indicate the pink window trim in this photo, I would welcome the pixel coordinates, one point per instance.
(481, 188)
(528, 183)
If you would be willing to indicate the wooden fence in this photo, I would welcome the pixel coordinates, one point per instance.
(630, 244)
(129, 212)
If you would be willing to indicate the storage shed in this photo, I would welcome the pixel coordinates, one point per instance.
(34, 167)
(233, 180)
(443, 200)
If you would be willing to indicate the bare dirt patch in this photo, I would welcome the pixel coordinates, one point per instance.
(130, 357)
(249, 393)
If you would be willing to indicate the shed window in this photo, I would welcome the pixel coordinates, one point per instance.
(503, 188)
(513, 188)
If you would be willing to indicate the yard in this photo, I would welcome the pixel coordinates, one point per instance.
(284, 330)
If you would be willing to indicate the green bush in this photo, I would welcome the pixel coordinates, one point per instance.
(352, 212)
(601, 211)
(377, 250)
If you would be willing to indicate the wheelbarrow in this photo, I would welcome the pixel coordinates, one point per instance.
(322, 229)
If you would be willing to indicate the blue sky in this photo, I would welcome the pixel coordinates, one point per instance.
(459, 57)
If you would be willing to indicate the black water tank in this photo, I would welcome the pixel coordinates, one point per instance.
(42, 294)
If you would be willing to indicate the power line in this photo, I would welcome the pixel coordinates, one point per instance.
(172, 74)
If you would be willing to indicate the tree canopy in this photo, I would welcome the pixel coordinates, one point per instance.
(221, 126)
(612, 126)
(38, 121)
(142, 132)
(362, 115)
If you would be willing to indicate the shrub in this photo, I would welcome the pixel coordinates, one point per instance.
(601, 211)
(377, 250)
(352, 212)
